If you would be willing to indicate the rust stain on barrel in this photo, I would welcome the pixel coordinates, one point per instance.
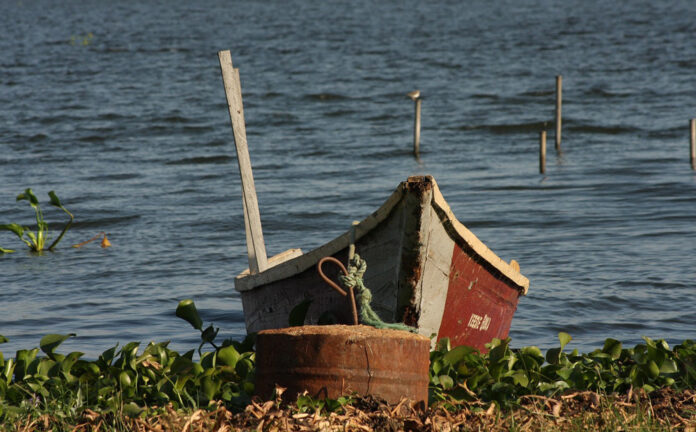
(331, 361)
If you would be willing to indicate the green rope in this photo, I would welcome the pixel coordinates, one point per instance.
(356, 270)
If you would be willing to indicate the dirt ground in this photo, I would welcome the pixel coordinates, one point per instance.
(663, 409)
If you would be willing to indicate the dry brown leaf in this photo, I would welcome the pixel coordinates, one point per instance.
(90, 415)
(556, 409)
(152, 363)
(594, 397)
(267, 406)
(194, 417)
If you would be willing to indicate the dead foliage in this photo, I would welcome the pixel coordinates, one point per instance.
(663, 409)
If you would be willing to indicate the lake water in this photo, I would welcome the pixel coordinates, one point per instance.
(120, 109)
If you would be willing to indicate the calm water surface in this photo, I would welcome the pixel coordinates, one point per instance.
(120, 109)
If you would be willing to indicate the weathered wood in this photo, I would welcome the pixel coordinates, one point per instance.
(256, 248)
(417, 129)
(542, 152)
(351, 249)
(277, 259)
(436, 250)
(559, 102)
(462, 236)
(693, 143)
(244, 281)
(408, 244)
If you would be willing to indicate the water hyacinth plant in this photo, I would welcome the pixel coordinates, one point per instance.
(36, 241)
(154, 383)
(504, 374)
(126, 381)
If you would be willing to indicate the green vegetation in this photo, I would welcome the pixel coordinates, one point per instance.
(155, 384)
(504, 374)
(36, 241)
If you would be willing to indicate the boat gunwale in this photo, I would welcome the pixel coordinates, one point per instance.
(293, 262)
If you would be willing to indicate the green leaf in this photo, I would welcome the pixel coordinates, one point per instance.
(228, 356)
(209, 334)
(54, 200)
(132, 410)
(210, 387)
(298, 314)
(3, 250)
(564, 338)
(446, 382)
(244, 367)
(108, 356)
(125, 380)
(23, 360)
(649, 342)
(44, 367)
(553, 356)
(70, 360)
(564, 373)
(3, 339)
(186, 310)
(652, 370)
(28, 195)
(436, 367)
(520, 378)
(181, 365)
(34, 242)
(51, 341)
(457, 354)
(532, 351)
(499, 351)
(669, 366)
(612, 347)
(208, 360)
(15, 228)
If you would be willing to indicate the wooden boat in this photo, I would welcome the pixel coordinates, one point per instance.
(424, 268)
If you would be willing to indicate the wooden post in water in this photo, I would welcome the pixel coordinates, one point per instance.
(693, 143)
(256, 248)
(542, 152)
(416, 97)
(559, 101)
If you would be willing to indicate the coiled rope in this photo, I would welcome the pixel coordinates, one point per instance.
(353, 281)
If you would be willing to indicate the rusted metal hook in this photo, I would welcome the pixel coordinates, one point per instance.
(335, 286)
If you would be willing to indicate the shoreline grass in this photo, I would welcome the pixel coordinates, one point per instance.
(646, 387)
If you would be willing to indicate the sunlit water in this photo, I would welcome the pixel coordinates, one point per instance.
(120, 109)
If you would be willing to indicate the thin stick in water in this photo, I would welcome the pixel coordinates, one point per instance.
(416, 97)
(559, 103)
(693, 144)
(542, 152)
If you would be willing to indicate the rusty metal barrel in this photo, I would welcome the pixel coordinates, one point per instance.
(331, 361)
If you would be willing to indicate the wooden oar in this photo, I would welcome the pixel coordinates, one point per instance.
(256, 248)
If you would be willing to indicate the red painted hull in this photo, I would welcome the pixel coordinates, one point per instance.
(479, 307)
